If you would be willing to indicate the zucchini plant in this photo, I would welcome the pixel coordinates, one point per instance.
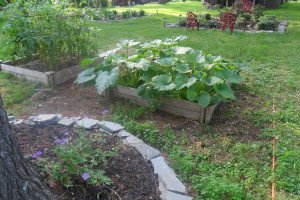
(163, 67)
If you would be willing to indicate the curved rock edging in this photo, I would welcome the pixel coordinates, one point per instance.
(170, 186)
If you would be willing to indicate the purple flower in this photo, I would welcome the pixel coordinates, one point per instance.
(37, 154)
(85, 176)
(62, 141)
(66, 133)
(105, 111)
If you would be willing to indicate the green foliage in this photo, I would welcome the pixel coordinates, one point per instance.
(258, 11)
(167, 69)
(14, 91)
(142, 13)
(83, 155)
(267, 23)
(45, 30)
(126, 14)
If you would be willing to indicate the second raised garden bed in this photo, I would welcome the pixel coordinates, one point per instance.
(170, 105)
(50, 78)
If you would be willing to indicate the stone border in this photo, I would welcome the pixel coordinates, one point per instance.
(170, 186)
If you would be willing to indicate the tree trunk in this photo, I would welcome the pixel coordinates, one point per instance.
(18, 179)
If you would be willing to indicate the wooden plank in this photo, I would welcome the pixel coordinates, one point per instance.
(209, 111)
(26, 73)
(66, 75)
(125, 90)
(182, 112)
(170, 105)
(181, 104)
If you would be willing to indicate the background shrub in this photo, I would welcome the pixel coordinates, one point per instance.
(267, 23)
(119, 2)
(142, 13)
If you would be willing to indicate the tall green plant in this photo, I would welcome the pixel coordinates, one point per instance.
(164, 68)
(45, 30)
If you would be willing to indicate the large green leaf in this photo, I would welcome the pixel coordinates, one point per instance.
(212, 80)
(106, 79)
(225, 91)
(230, 76)
(204, 99)
(143, 64)
(85, 76)
(182, 50)
(165, 61)
(146, 92)
(182, 81)
(193, 55)
(191, 94)
(163, 83)
(181, 68)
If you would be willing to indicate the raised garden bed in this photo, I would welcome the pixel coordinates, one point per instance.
(170, 105)
(50, 78)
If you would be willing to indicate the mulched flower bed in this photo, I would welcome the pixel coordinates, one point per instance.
(132, 176)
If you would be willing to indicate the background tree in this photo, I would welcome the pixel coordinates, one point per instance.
(19, 180)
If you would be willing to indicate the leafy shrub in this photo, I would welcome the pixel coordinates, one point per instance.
(258, 11)
(115, 12)
(45, 30)
(214, 23)
(246, 16)
(206, 16)
(119, 2)
(134, 13)
(104, 3)
(182, 22)
(126, 14)
(142, 13)
(165, 68)
(267, 23)
(79, 161)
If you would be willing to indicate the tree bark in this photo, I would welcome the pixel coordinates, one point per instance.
(19, 180)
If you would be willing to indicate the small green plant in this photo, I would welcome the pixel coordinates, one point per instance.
(126, 14)
(134, 13)
(206, 16)
(246, 16)
(182, 22)
(142, 13)
(258, 11)
(267, 23)
(81, 160)
(164, 68)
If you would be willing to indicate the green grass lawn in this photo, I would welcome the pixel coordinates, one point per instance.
(272, 77)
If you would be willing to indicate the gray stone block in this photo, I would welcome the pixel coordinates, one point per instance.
(17, 121)
(147, 151)
(133, 140)
(175, 196)
(76, 118)
(11, 118)
(167, 175)
(47, 119)
(66, 121)
(111, 126)
(88, 123)
(124, 134)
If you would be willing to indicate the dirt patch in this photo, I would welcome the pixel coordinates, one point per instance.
(70, 100)
(132, 176)
(38, 65)
(73, 100)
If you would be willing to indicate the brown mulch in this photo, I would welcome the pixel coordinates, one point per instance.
(38, 65)
(132, 176)
(73, 100)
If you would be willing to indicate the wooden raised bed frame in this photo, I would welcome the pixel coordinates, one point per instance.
(50, 78)
(170, 105)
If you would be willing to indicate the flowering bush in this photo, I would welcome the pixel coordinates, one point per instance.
(80, 161)
(161, 67)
